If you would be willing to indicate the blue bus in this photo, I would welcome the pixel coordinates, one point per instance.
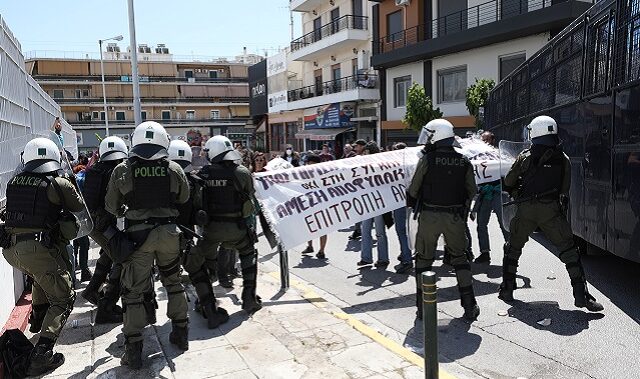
(588, 78)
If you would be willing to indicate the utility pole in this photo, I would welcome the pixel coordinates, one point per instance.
(137, 112)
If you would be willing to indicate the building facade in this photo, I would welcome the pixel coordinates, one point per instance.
(192, 97)
(445, 45)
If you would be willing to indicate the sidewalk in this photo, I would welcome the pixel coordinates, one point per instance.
(296, 335)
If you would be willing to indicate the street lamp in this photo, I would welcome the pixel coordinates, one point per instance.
(104, 92)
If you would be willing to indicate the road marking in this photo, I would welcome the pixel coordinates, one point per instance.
(389, 344)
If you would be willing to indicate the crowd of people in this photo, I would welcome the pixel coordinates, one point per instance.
(178, 216)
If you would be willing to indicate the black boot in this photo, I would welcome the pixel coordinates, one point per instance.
(179, 336)
(509, 269)
(37, 317)
(583, 298)
(108, 311)
(251, 302)
(85, 275)
(506, 290)
(90, 293)
(484, 257)
(468, 302)
(132, 355)
(215, 315)
(43, 359)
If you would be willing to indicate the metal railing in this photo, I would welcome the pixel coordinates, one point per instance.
(143, 79)
(172, 121)
(482, 14)
(125, 56)
(334, 86)
(335, 26)
(168, 100)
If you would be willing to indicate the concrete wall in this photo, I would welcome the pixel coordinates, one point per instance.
(481, 63)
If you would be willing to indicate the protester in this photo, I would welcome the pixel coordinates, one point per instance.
(358, 148)
(400, 222)
(259, 162)
(81, 245)
(348, 151)
(313, 159)
(291, 156)
(325, 155)
(366, 257)
(246, 154)
(489, 199)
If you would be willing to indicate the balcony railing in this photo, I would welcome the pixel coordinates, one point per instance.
(143, 79)
(466, 19)
(172, 121)
(168, 100)
(335, 26)
(334, 86)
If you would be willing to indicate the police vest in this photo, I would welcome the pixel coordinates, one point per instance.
(220, 192)
(151, 185)
(445, 181)
(186, 217)
(96, 180)
(28, 205)
(543, 177)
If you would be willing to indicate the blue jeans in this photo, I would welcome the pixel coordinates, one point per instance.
(367, 241)
(484, 213)
(400, 222)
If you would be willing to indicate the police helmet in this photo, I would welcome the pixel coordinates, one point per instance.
(112, 149)
(219, 148)
(150, 141)
(41, 155)
(436, 130)
(543, 130)
(180, 152)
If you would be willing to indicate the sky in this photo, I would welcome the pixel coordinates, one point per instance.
(187, 27)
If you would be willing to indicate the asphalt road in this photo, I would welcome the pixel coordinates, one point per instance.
(506, 341)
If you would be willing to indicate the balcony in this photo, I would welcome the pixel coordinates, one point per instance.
(96, 79)
(304, 5)
(351, 88)
(484, 24)
(93, 123)
(345, 32)
(153, 101)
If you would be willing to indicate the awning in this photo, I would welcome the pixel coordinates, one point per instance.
(321, 134)
(262, 128)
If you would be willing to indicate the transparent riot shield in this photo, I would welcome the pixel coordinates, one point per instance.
(410, 158)
(509, 151)
(83, 217)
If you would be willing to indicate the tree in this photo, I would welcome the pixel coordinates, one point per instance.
(419, 108)
(477, 95)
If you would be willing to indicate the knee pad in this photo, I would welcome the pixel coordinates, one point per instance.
(170, 269)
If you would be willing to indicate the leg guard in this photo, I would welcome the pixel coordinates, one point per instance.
(179, 335)
(37, 317)
(90, 293)
(509, 269)
(468, 302)
(251, 303)
(207, 301)
(581, 295)
(108, 312)
(132, 353)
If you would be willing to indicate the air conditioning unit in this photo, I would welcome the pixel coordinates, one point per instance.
(403, 3)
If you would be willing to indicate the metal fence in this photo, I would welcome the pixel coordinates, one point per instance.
(335, 26)
(592, 56)
(143, 79)
(334, 86)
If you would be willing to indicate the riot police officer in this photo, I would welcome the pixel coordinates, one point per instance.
(113, 151)
(539, 181)
(227, 197)
(180, 152)
(40, 226)
(146, 189)
(441, 190)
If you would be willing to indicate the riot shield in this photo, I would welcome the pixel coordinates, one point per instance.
(83, 217)
(410, 159)
(509, 151)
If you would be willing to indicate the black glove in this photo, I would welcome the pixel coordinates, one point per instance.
(411, 201)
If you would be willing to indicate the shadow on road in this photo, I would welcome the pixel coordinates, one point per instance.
(308, 261)
(563, 322)
(451, 333)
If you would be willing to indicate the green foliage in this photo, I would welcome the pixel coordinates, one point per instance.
(419, 108)
(477, 95)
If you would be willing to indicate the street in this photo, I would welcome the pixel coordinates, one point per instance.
(507, 341)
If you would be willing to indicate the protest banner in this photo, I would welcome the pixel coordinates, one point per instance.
(304, 203)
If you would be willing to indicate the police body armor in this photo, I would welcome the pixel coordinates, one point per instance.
(95, 184)
(444, 183)
(545, 177)
(221, 195)
(28, 205)
(151, 185)
(186, 214)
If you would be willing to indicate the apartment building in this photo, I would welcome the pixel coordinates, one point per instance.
(191, 96)
(446, 44)
(322, 90)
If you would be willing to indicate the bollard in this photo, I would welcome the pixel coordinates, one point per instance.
(430, 324)
(284, 268)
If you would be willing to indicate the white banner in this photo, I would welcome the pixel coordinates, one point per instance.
(304, 203)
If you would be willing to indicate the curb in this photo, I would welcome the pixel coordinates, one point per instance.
(18, 319)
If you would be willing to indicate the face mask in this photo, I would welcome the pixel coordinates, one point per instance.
(289, 151)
